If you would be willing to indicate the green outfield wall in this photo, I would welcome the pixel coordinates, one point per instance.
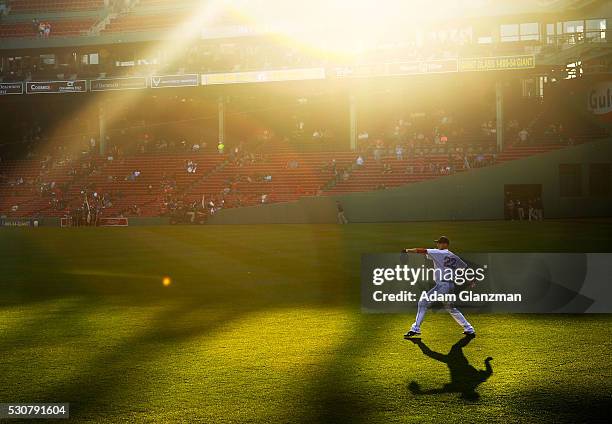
(474, 195)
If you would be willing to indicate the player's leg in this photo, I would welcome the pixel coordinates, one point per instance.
(458, 316)
(422, 307)
(344, 219)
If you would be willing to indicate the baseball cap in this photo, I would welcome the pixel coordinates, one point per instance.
(442, 239)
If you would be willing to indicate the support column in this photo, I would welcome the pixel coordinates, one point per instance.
(221, 113)
(102, 127)
(499, 114)
(352, 122)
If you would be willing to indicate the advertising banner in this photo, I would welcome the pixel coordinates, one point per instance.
(113, 222)
(47, 87)
(264, 76)
(363, 71)
(169, 81)
(418, 67)
(423, 67)
(497, 63)
(7, 88)
(599, 100)
(118, 84)
(18, 222)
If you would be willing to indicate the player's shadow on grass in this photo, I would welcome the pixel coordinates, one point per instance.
(464, 377)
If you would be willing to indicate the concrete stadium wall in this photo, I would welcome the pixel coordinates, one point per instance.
(474, 195)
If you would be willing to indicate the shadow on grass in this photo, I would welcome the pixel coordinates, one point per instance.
(590, 404)
(464, 377)
(116, 373)
(339, 393)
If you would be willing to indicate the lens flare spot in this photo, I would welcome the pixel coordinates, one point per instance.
(166, 281)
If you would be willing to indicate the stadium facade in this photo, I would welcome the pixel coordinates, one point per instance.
(133, 87)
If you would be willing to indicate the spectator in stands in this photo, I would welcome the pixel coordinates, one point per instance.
(561, 132)
(479, 161)
(220, 147)
(341, 217)
(387, 169)
(35, 26)
(523, 136)
(510, 209)
(133, 176)
(513, 126)
(191, 166)
(191, 213)
(520, 209)
(399, 152)
(537, 206)
(359, 162)
(135, 210)
(531, 215)
(378, 150)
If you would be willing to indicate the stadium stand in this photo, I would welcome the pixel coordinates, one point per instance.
(59, 27)
(151, 15)
(130, 23)
(29, 6)
(26, 189)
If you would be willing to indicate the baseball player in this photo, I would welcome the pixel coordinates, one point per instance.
(443, 259)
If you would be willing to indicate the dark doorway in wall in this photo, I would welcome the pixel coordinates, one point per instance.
(523, 201)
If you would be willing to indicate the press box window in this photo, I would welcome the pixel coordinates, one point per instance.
(520, 32)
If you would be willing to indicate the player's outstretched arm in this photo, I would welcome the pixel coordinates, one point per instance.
(432, 353)
(415, 250)
(486, 373)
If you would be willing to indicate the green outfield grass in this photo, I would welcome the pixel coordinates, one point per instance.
(262, 323)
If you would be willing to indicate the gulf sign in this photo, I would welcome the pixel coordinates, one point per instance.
(599, 100)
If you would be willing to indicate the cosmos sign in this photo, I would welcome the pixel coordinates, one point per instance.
(46, 87)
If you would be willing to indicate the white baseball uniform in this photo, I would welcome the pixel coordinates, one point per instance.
(443, 260)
